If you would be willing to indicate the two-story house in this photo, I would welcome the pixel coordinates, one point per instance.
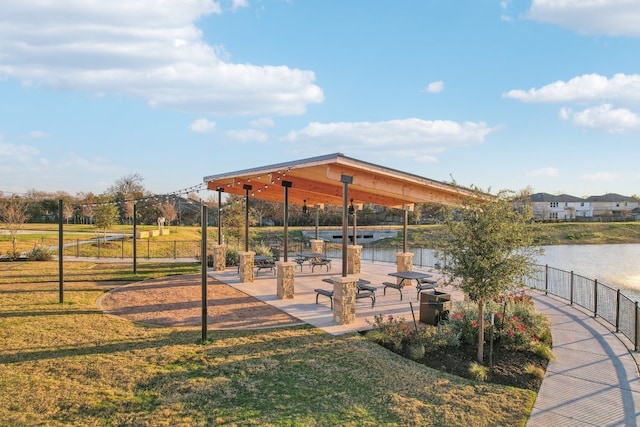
(564, 207)
(613, 205)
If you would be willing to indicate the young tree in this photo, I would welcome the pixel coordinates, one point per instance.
(490, 249)
(13, 213)
(105, 213)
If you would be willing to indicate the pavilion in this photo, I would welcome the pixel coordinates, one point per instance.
(332, 179)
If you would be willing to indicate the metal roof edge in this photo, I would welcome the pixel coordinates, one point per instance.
(274, 167)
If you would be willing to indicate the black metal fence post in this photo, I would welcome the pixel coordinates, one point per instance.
(618, 310)
(637, 328)
(571, 289)
(595, 298)
(546, 279)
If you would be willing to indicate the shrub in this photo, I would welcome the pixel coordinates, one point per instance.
(262, 249)
(517, 324)
(402, 337)
(478, 372)
(232, 257)
(543, 351)
(534, 370)
(40, 253)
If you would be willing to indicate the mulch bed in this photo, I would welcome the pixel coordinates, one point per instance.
(508, 366)
(177, 301)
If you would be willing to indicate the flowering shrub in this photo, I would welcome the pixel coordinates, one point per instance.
(402, 337)
(517, 324)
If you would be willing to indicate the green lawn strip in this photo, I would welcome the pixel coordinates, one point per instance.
(78, 271)
(68, 364)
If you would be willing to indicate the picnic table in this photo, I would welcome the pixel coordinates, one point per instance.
(422, 279)
(264, 262)
(314, 259)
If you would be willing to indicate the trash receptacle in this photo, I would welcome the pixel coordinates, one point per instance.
(433, 305)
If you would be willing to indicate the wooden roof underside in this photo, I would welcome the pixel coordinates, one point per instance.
(317, 180)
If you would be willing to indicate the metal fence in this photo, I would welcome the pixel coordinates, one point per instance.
(613, 306)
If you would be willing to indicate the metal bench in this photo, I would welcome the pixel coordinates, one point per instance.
(326, 293)
(397, 286)
(425, 284)
(319, 262)
(364, 290)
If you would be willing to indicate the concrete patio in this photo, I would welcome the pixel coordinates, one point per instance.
(303, 306)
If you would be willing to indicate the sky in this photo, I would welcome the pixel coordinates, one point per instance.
(499, 95)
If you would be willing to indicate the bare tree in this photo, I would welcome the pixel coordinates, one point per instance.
(13, 212)
(167, 210)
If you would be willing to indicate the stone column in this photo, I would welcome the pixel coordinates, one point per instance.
(285, 274)
(317, 246)
(404, 262)
(354, 259)
(246, 266)
(344, 299)
(219, 257)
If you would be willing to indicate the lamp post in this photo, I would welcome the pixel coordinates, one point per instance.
(286, 185)
(246, 187)
(220, 190)
(346, 180)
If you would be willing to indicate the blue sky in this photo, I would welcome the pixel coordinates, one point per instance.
(494, 94)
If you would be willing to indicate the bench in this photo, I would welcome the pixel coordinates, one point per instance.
(266, 264)
(300, 261)
(397, 286)
(319, 261)
(326, 293)
(425, 284)
(364, 291)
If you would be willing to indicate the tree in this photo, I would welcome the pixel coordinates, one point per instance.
(490, 249)
(167, 210)
(13, 213)
(125, 190)
(105, 213)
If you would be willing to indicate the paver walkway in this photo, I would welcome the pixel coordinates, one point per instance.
(594, 380)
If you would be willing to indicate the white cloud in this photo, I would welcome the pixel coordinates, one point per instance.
(415, 138)
(600, 177)
(37, 134)
(248, 135)
(202, 126)
(12, 154)
(435, 87)
(605, 117)
(149, 49)
(588, 87)
(609, 17)
(239, 4)
(262, 123)
(548, 171)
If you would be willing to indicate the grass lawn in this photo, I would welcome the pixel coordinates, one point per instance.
(69, 364)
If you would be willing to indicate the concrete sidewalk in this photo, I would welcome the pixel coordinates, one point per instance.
(593, 381)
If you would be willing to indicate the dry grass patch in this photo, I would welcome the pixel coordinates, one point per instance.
(69, 364)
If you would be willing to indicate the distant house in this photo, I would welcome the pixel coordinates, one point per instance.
(565, 207)
(613, 205)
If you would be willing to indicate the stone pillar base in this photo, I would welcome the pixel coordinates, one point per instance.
(317, 246)
(246, 266)
(219, 257)
(285, 274)
(344, 299)
(354, 259)
(404, 262)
